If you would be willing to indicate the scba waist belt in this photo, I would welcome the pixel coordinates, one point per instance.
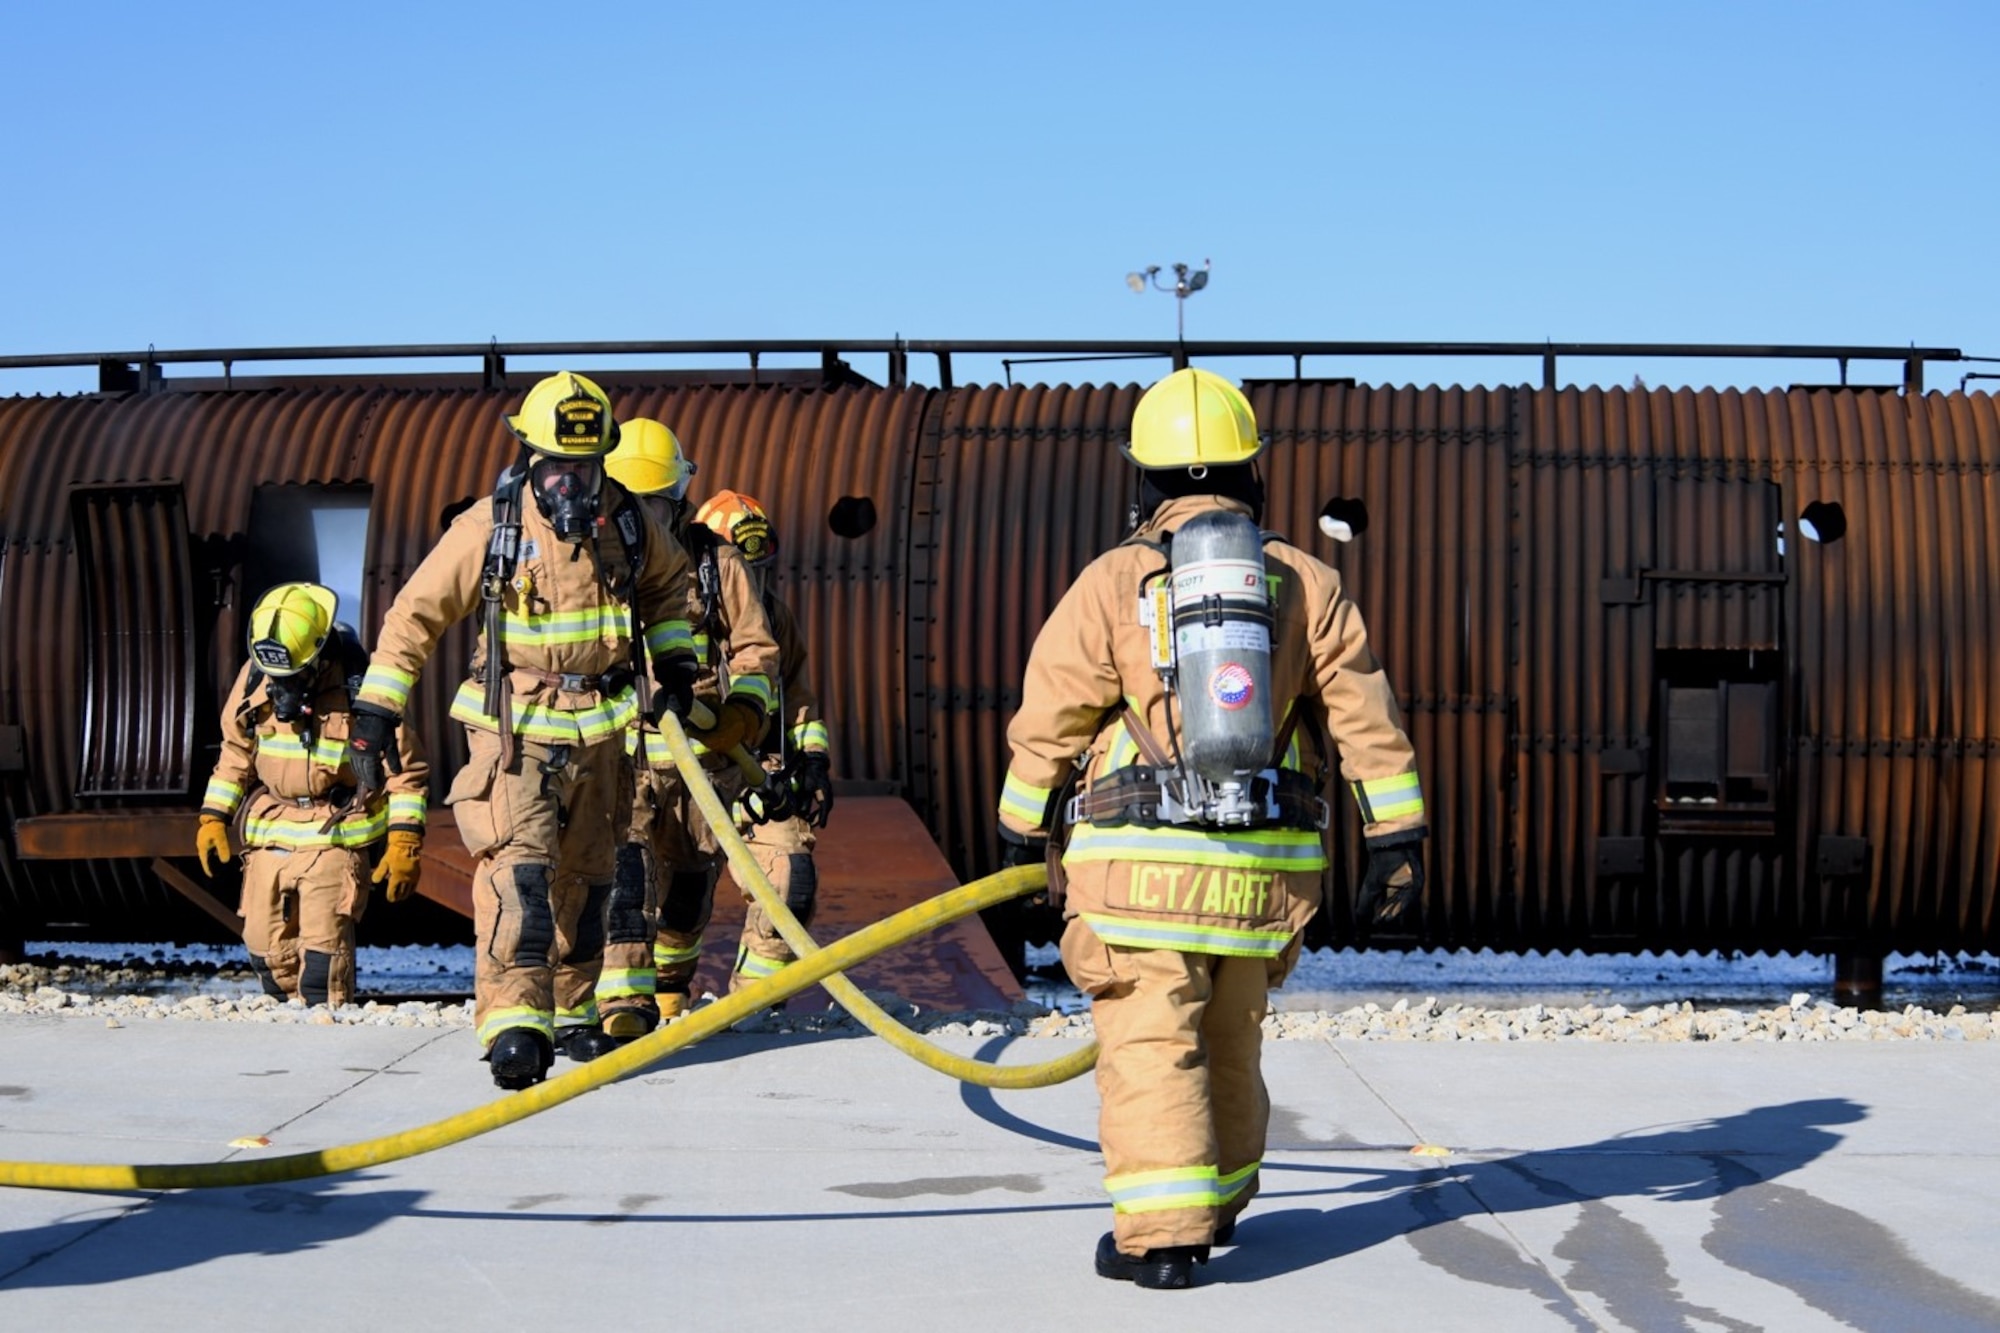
(1142, 796)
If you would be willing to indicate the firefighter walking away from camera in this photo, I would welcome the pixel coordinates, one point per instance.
(578, 591)
(283, 781)
(671, 858)
(1188, 681)
(778, 820)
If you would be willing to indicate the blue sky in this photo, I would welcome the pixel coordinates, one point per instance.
(203, 175)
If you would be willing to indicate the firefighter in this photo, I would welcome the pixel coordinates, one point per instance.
(779, 821)
(671, 857)
(284, 770)
(1193, 853)
(579, 592)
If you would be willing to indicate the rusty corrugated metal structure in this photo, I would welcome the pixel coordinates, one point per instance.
(1650, 713)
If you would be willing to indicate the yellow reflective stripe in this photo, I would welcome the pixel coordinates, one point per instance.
(758, 967)
(668, 636)
(498, 1021)
(1025, 801)
(617, 983)
(353, 831)
(407, 808)
(1389, 798)
(387, 686)
(666, 957)
(1188, 937)
(701, 644)
(1122, 753)
(1233, 1184)
(1156, 1191)
(604, 622)
(754, 687)
(1255, 849)
(581, 1016)
(223, 796)
(541, 723)
(326, 754)
(657, 754)
(811, 736)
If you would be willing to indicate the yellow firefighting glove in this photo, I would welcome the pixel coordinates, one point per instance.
(402, 864)
(212, 838)
(736, 723)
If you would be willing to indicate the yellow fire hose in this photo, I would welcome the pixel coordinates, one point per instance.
(706, 1021)
(814, 965)
(850, 996)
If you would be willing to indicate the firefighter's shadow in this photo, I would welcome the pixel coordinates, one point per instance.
(1702, 1160)
(1455, 1217)
(140, 1236)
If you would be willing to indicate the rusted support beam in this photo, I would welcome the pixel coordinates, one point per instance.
(196, 894)
(108, 835)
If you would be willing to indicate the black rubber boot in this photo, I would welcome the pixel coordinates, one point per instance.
(1162, 1269)
(585, 1043)
(1226, 1233)
(520, 1058)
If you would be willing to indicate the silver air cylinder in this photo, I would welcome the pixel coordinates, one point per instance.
(1222, 651)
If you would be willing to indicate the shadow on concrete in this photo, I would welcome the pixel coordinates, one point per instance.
(162, 1233)
(1831, 1258)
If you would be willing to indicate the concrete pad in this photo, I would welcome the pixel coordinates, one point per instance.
(829, 1182)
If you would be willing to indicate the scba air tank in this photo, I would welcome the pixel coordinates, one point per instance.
(1222, 647)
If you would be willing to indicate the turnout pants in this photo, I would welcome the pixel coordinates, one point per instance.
(544, 831)
(669, 830)
(299, 908)
(1183, 1109)
(783, 851)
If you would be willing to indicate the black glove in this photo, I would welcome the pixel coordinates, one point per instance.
(371, 747)
(1022, 849)
(676, 675)
(812, 788)
(1395, 877)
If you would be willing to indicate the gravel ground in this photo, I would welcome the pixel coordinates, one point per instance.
(134, 991)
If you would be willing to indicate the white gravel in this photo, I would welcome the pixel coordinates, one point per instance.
(176, 989)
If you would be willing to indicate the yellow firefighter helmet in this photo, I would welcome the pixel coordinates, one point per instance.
(649, 461)
(1193, 418)
(741, 521)
(289, 626)
(565, 416)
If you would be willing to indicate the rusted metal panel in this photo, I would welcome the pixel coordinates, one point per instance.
(1539, 569)
(138, 635)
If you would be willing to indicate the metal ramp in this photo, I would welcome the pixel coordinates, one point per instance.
(875, 858)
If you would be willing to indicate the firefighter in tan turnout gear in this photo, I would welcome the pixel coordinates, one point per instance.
(1192, 674)
(283, 769)
(778, 821)
(671, 857)
(578, 590)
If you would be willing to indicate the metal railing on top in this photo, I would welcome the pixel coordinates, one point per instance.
(132, 370)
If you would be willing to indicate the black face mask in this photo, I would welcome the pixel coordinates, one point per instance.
(566, 491)
(291, 696)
